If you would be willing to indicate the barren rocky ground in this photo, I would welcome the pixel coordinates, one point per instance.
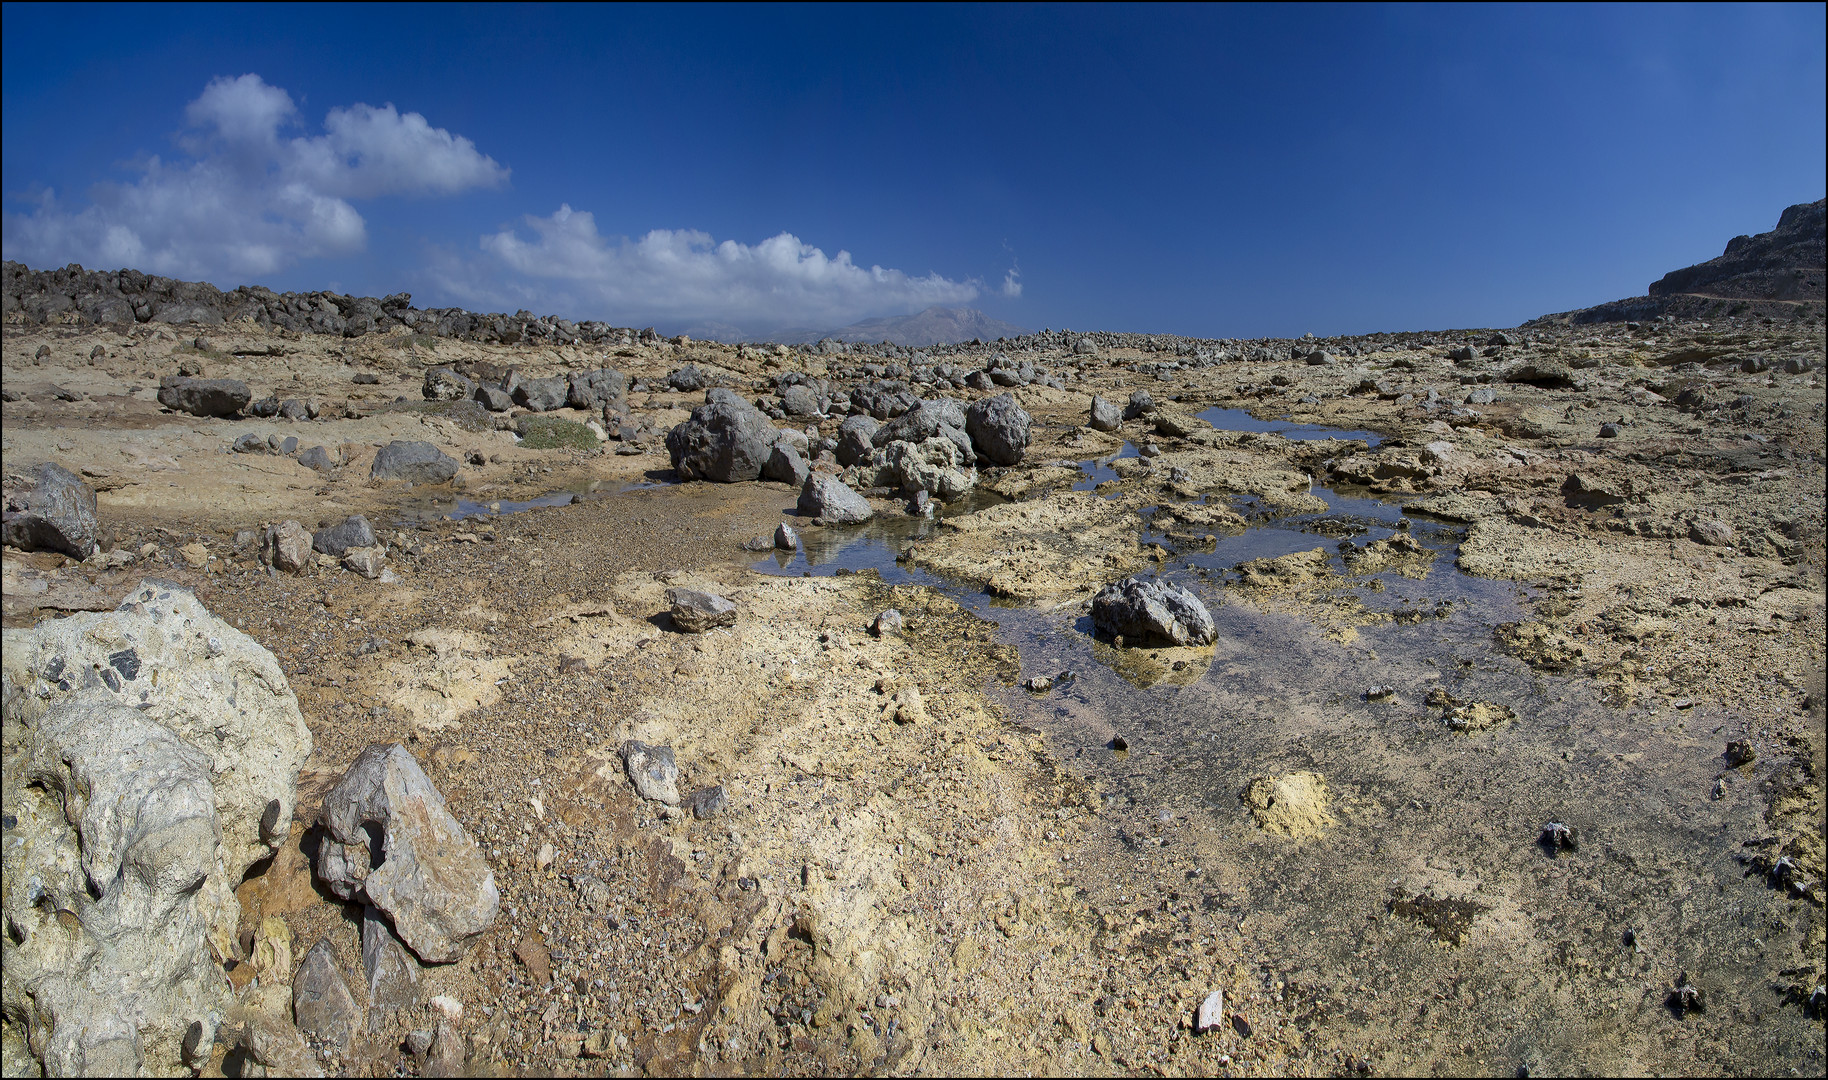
(1535, 576)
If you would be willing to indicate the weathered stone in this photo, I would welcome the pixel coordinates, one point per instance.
(429, 876)
(393, 975)
(1139, 610)
(801, 400)
(248, 443)
(652, 770)
(493, 398)
(998, 428)
(414, 462)
(326, 1011)
(725, 441)
(542, 395)
(1211, 1013)
(443, 384)
(366, 561)
(695, 612)
(833, 502)
(938, 418)
(856, 438)
(295, 410)
(934, 466)
(688, 379)
(1141, 404)
(785, 465)
(1104, 415)
(351, 532)
(887, 621)
(785, 539)
(49, 508)
(286, 546)
(1711, 532)
(204, 397)
(595, 390)
(316, 457)
(707, 802)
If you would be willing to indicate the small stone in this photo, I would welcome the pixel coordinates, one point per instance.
(546, 857)
(888, 621)
(833, 502)
(1558, 837)
(419, 1041)
(287, 546)
(652, 770)
(316, 457)
(1039, 684)
(1211, 1014)
(51, 510)
(537, 958)
(1740, 752)
(1379, 691)
(707, 802)
(785, 538)
(1610, 431)
(351, 532)
(695, 612)
(1711, 532)
(365, 561)
(326, 1011)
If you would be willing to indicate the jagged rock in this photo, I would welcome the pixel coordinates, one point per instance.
(940, 417)
(493, 398)
(596, 390)
(541, 395)
(414, 462)
(687, 380)
(785, 465)
(695, 612)
(248, 443)
(286, 546)
(856, 437)
(295, 410)
(351, 532)
(1711, 532)
(727, 440)
(998, 428)
(49, 508)
(393, 975)
(652, 770)
(429, 876)
(934, 465)
(365, 561)
(327, 1012)
(1141, 404)
(316, 457)
(833, 502)
(147, 801)
(1139, 610)
(785, 539)
(204, 397)
(1104, 415)
(801, 400)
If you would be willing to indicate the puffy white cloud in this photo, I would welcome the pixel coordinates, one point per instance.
(1012, 283)
(250, 201)
(673, 275)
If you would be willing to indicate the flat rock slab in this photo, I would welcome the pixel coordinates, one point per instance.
(413, 462)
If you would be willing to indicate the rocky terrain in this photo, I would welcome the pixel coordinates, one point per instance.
(409, 692)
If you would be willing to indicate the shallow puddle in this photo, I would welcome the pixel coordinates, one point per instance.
(1429, 925)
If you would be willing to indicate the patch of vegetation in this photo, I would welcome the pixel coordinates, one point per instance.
(551, 433)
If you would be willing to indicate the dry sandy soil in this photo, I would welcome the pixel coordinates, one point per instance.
(922, 868)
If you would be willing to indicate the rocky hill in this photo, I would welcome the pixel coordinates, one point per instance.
(1778, 274)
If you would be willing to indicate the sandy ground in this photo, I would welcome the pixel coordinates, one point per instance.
(917, 871)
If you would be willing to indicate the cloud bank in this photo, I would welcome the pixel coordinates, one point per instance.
(680, 275)
(248, 201)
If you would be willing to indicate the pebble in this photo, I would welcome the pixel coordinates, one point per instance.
(1212, 1012)
(785, 538)
(889, 622)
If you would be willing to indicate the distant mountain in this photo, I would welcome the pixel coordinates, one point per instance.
(934, 326)
(1776, 274)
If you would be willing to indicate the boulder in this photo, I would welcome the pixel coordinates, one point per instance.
(443, 384)
(786, 465)
(157, 751)
(1141, 404)
(725, 441)
(933, 465)
(939, 417)
(351, 532)
(1104, 415)
(204, 397)
(597, 389)
(414, 462)
(856, 437)
(428, 876)
(49, 508)
(833, 502)
(1139, 611)
(542, 395)
(998, 428)
(493, 398)
(286, 546)
(801, 400)
(1085, 346)
(326, 1011)
(652, 770)
(695, 612)
(687, 380)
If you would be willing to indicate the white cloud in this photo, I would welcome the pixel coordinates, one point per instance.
(681, 274)
(1012, 284)
(250, 201)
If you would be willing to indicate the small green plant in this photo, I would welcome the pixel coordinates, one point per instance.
(551, 433)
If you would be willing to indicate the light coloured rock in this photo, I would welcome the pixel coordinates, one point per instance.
(327, 1012)
(696, 612)
(833, 502)
(785, 539)
(1211, 1014)
(429, 876)
(393, 975)
(652, 770)
(1295, 805)
(1104, 415)
(287, 546)
(1064, 542)
(934, 465)
(365, 561)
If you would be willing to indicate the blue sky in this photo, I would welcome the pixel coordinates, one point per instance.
(1220, 171)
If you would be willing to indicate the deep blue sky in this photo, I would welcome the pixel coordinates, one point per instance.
(1234, 171)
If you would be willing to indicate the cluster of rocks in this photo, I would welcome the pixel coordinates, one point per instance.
(594, 391)
(141, 803)
(931, 447)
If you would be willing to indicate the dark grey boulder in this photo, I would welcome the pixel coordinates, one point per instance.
(998, 428)
(785, 464)
(801, 401)
(1104, 415)
(414, 462)
(856, 437)
(1141, 611)
(49, 508)
(351, 532)
(542, 395)
(1141, 404)
(833, 502)
(884, 398)
(493, 398)
(726, 441)
(594, 390)
(316, 457)
(687, 379)
(695, 612)
(204, 397)
(295, 410)
(249, 443)
(443, 384)
(266, 407)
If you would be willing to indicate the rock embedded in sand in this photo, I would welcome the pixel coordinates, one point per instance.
(1211, 1013)
(429, 876)
(415, 462)
(49, 508)
(351, 532)
(204, 397)
(286, 546)
(443, 384)
(1139, 610)
(1294, 805)
(652, 770)
(999, 429)
(726, 441)
(696, 612)
(1104, 415)
(832, 501)
(889, 621)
